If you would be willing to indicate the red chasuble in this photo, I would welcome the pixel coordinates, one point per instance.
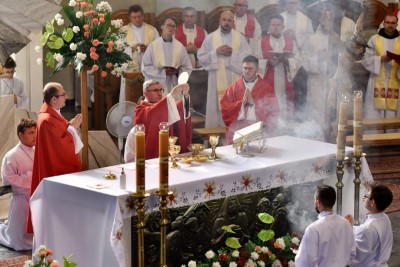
(54, 150)
(181, 36)
(250, 26)
(265, 102)
(151, 115)
(269, 75)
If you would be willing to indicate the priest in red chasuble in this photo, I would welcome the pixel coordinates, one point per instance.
(190, 34)
(154, 109)
(57, 142)
(249, 100)
(281, 60)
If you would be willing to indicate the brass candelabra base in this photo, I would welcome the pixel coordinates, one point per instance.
(140, 226)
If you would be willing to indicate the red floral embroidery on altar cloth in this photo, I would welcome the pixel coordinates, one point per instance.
(317, 168)
(130, 202)
(246, 180)
(209, 188)
(172, 197)
(281, 176)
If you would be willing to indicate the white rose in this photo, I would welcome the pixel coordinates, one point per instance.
(254, 255)
(235, 253)
(264, 250)
(39, 61)
(216, 264)
(261, 263)
(277, 263)
(76, 29)
(38, 49)
(73, 46)
(291, 263)
(58, 57)
(295, 241)
(281, 243)
(79, 14)
(232, 264)
(57, 16)
(72, 3)
(250, 263)
(210, 254)
(60, 22)
(192, 264)
(80, 56)
(28, 263)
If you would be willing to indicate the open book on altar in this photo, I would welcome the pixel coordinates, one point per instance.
(287, 54)
(395, 57)
(248, 134)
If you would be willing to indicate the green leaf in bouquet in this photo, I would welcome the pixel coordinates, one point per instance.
(266, 218)
(50, 59)
(57, 44)
(228, 229)
(53, 38)
(67, 34)
(44, 38)
(49, 26)
(233, 242)
(68, 262)
(67, 60)
(69, 12)
(265, 235)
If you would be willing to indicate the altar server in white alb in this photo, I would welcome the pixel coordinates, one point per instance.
(16, 170)
(327, 242)
(382, 95)
(221, 55)
(374, 238)
(166, 57)
(11, 85)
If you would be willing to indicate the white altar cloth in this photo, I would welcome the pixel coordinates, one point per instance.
(82, 213)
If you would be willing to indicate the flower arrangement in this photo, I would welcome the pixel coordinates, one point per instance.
(44, 259)
(266, 251)
(90, 39)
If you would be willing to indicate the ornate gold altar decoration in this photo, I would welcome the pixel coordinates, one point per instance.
(88, 39)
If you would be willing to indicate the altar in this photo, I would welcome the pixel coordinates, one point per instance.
(87, 216)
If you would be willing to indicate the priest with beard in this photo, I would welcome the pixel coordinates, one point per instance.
(248, 100)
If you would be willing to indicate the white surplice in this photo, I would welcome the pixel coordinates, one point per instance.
(17, 171)
(240, 25)
(15, 86)
(208, 59)
(301, 26)
(327, 242)
(150, 69)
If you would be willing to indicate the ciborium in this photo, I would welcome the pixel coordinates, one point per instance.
(172, 140)
(213, 140)
(195, 148)
(173, 151)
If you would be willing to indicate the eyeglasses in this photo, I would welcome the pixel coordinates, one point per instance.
(366, 196)
(60, 95)
(170, 26)
(189, 16)
(157, 91)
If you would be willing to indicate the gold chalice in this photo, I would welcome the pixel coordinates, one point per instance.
(172, 140)
(195, 148)
(173, 151)
(213, 140)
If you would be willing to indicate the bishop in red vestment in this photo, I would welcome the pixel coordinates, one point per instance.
(249, 100)
(56, 141)
(155, 109)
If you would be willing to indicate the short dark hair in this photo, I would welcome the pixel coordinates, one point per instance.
(162, 21)
(49, 92)
(135, 8)
(189, 8)
(250, 58)
(391, 15)
(25, 123)
(326, 195)
(10, 63)
(382, 196)
(277, 16)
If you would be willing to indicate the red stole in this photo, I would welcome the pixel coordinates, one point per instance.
(151, 115)
(250, 26)
(269, 74)
(181, 36)
(266, 106)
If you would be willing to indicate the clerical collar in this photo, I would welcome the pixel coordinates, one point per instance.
(249, 82)
(167, 41)
(57, 110)
(189, 28)
(383, 33)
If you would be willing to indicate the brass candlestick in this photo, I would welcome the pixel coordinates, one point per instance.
(163, 226)
(357, 182)
(339, 186)
(140, 226)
